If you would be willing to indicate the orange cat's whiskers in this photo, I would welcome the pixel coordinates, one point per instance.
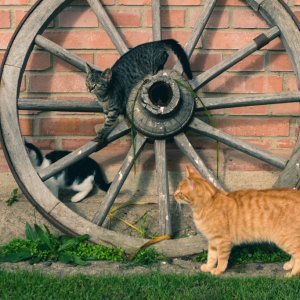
(246, 216)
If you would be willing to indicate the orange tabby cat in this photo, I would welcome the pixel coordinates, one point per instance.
(245, 216)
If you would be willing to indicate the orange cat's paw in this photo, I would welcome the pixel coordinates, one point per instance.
(288, 266)
(205, 268)
(288, 275)
(216, 271)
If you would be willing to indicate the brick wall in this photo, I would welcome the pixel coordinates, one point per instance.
(233, 24)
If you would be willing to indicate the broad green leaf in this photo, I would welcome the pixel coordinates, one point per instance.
(69, 244)
(29, 233)
(41, 234)
(16, 256)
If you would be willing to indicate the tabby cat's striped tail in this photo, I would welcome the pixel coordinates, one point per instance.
(180, 53)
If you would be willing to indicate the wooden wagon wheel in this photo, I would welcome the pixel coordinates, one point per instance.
(29, 33)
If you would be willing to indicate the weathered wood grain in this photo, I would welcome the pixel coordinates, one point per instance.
(156, 20)
(119, 180)
(162, 182)
(185, 146)
(246, 100)
(108, 25)
(226, 64)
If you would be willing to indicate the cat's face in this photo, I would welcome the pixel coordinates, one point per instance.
(193, 189)
(98, 82)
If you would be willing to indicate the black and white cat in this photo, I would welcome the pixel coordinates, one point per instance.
(113, 86)
(80, 177)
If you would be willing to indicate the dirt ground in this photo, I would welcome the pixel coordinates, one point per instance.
(176, 266)
(13, 220)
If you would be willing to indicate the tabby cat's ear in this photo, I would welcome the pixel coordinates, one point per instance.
(106, 75)
(88, 68)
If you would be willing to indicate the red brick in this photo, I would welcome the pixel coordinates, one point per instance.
(72, 39)
(292, 85)
(73, 126)
(247, 19)
(59, 83)
(62, 66)
(4, 39)
(236, 40)
(292, 109)
(83, 2)
(285, 143)
(280, 62)
(202, 62)
(77, 18)
(231, 3)
(181, 2)
(23, 84)
(106, 60)
(5, 19)
(218, 19)
(134, 2)
(255, 127)
(1, 57)
(126, 18)
(26, 126)
(249, 110)
(254, 62)
(3, 164)
(39, 61)
(237, 161)
(135, 38)
(181, 36)
(72, 144)
(169, 18)
(14, 2)
(19, 15)
(245, 84)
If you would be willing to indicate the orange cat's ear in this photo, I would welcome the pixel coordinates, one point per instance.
(192, 184)
(190, 171)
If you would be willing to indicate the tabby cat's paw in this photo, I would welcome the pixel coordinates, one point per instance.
(101, 142)
(205, 268)
(216, 271)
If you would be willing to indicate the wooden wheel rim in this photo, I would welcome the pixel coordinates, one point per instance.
(56, 212)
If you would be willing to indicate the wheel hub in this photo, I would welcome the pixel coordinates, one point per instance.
(160, 105)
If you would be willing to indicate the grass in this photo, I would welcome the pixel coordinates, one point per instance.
(263, 253)
(24, 285)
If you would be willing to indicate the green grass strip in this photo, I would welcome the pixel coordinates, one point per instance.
(25, 285)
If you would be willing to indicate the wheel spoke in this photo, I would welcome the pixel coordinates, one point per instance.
(57, 105)
(185, 146)
(162, 187)
(229, 140)
(109, 27)
(198, 30)
(82, 152)
(247, 100)
(119, 180)
(60, 52)
(259, 42)
(156, 20)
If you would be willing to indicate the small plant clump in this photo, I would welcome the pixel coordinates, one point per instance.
(251, 254)
(148, 256)
(13, 197)
(41, 245)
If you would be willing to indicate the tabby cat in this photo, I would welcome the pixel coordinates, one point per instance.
(80, 177)
(244, 216)
(113, 86)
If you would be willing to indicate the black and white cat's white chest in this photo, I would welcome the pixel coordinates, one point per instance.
(80, 177)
